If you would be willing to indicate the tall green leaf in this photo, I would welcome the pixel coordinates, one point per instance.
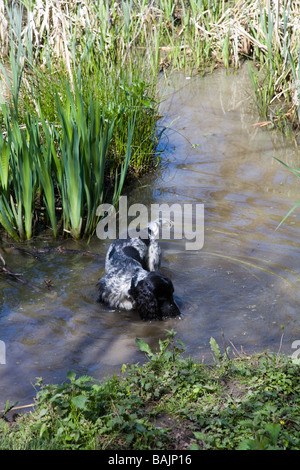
(124, 167)
(4, 163)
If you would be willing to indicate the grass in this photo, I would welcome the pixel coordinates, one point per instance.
(168, 402)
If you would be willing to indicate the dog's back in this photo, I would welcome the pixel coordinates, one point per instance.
(125, 259)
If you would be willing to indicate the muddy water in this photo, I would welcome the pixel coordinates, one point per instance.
(243, 285)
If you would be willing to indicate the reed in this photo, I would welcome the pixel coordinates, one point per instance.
(30, 166)
(275, 32)
(84, 129)
(188, 34)
(17, 197)
(84, 140)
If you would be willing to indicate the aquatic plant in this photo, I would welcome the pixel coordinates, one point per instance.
(18, 175)
(83, 144)
(74, 180)
(77, 140)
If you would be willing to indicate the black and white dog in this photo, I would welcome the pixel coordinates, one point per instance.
(132, 280)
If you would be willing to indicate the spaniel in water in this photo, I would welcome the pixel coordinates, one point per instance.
(132, 280)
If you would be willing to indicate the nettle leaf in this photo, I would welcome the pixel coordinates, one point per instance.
(167, 355)
(71, 375)
(215, 348)
(144, 347)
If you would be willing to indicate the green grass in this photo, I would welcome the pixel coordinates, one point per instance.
(169, 402)
(72, 130)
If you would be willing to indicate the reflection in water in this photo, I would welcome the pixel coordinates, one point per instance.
(244, 283)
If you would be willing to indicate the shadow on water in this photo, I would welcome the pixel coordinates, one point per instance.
(244, 282)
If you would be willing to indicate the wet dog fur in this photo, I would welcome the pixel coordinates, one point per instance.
(132, 280)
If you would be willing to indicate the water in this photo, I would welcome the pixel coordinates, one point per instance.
(241, 287)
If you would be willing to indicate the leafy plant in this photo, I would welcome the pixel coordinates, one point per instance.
(168, 350)
(170, 401)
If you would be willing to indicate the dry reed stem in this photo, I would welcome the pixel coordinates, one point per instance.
(4, 42)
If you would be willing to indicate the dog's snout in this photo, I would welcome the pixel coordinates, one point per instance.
(169, 308)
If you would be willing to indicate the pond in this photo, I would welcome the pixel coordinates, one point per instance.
(241, 288)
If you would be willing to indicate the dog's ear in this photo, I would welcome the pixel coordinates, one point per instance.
(145, 300)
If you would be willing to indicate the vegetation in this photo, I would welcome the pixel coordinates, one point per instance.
(169, 402)
(81, 81)
(73, 125)
(79, 116)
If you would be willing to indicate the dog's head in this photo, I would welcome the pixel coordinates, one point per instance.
(153, 297)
